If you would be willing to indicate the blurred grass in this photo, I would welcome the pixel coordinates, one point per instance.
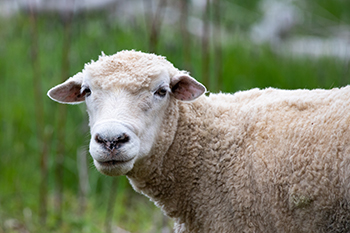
(244, 66)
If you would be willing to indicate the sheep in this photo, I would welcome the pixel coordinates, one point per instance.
(266, 160)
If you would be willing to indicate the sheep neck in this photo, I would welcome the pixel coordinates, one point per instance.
(170, 174)
(147, 175)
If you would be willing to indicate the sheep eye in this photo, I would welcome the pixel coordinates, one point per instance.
(85, 91)
(161, 92)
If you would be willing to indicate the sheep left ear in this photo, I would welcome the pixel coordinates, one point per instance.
(186, 88)
(69, 91)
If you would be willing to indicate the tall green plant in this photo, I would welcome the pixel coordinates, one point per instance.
(39, 117)
(66, 21)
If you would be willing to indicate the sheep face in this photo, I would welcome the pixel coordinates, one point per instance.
(124, 123)
(125, 113)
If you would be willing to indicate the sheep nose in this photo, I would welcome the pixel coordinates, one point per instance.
(112, 143)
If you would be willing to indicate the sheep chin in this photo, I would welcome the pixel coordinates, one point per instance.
(114, 168)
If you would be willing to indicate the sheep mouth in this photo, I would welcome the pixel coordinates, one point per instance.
(111, 163)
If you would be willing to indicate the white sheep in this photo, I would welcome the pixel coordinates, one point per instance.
(256, 161)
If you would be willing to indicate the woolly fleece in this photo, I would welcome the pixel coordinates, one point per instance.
(133, 69)
(256, 161)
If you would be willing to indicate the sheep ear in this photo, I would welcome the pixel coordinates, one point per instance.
(186, 88)
(69, 91)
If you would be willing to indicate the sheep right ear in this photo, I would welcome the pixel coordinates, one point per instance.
(186, 88)
(68, 92)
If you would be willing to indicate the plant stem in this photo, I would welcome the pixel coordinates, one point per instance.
(39, 117)
(110, 205)
(62, 116)
(217, 46)
(186, 45)
(155, 23)
(205, 46)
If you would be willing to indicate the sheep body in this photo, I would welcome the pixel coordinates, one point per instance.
(255, 161)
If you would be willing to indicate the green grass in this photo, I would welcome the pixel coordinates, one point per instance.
(244, 66)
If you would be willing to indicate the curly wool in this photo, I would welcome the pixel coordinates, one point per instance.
(257, 161)
(131, 69)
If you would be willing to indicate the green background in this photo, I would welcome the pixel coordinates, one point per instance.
(39, 52)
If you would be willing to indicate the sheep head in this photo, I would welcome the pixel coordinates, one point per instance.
(126, 95)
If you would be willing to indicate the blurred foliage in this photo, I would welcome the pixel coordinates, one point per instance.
(337, 11)
(244, 66)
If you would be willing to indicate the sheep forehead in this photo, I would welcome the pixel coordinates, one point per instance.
(127, 69)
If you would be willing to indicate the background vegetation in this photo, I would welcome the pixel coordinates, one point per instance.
(47, 180)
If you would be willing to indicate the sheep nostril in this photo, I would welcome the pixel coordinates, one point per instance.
(124, 138)
(114, 142)
(99, 139)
